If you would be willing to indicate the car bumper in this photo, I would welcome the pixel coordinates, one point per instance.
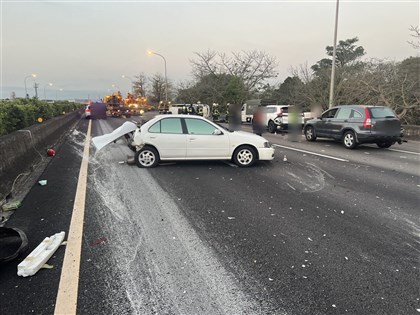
(266, 154)
(372, 138)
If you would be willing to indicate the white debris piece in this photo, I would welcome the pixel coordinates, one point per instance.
(346, 258)
(270, 279)
(231, 218)
(310, 239)
(342, 212)
(40, 255)
(101, 141)
(333, 305)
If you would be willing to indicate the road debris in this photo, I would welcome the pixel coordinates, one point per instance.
(40, 255)
(11, 205)
(43, 182)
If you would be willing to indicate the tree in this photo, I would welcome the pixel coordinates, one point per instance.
(251, 67)
(214, 88)
(415, 32)
(347, 53)
(140, 85)
(158, 88)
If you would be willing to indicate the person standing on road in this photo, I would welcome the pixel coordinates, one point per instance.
(257, 121)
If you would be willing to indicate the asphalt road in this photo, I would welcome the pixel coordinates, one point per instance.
(329, 231)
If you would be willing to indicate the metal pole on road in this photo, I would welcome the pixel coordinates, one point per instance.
(330, 105)
(26, 89)
(166, 77)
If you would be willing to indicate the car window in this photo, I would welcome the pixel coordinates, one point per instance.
(344, 113)
(381, 112)
(355, 114)
(199, 127)
(167, 125)
(270, 109)
(330, 113)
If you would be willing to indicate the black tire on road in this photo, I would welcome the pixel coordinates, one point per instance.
(349, 140)
(271, 126)
(384, 145)
(310, 134)
(147, 157)
(244, 156)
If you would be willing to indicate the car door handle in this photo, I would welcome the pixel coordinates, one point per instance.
(152, 137)
(191, 139)
(345, 120)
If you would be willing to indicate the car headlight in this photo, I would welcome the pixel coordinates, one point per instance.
(267, 144)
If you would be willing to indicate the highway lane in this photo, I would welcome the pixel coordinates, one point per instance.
(312, 235)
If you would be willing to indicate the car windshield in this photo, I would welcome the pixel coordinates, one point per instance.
(381, 112)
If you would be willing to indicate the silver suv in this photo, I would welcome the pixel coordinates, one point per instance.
(356, 124)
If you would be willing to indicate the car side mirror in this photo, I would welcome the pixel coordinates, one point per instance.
(217, 132)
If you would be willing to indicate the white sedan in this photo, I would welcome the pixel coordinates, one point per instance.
(188, 137)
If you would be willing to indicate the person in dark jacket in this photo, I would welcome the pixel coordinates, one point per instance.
(258, 121)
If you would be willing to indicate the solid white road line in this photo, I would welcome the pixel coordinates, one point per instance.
(313, 153)
(402, 151)
(66, 302)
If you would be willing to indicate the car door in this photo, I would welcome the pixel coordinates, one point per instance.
(324, 126)
(340, 121)
(168, 137)
(203, 142)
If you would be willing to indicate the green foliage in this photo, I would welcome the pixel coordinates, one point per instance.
(21, 113)
(346, 54)
(215, 88)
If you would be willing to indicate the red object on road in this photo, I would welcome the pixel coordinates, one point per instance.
(50, 152)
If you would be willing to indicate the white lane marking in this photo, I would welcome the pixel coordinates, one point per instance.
(313, 153)
(66, 302)
(402, 151)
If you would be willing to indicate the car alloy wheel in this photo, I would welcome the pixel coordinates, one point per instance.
(244, 156)
(349, 140)
(147, 157)
(309, 133)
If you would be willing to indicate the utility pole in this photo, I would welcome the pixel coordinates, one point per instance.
(36, 85)
(330, 105)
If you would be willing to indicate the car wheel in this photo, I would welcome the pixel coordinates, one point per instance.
(147, 157)
(349, 140)
(244, 156)
(384, 145)
(271, 126)
(310, 133)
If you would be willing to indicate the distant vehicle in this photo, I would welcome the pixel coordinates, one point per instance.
(250, 106)
(277, 117)
(191, 137)
(197, 109)
(356, 124)
(87, 112)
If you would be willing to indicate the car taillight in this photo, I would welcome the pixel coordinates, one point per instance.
(367, 122)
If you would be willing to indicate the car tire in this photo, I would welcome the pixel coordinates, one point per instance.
(310, 134)
(349, 140)
(244, 156)
(271, 126)
(384, 145)
(146, 157)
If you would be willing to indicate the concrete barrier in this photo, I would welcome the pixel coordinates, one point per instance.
(22, 149)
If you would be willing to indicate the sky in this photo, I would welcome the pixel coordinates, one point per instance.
(84, 47)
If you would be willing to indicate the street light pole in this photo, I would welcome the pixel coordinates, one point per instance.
(45, 95)
(26, 90)
(166, 77)
(56, 93)
(330, 105)
(128, 78)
